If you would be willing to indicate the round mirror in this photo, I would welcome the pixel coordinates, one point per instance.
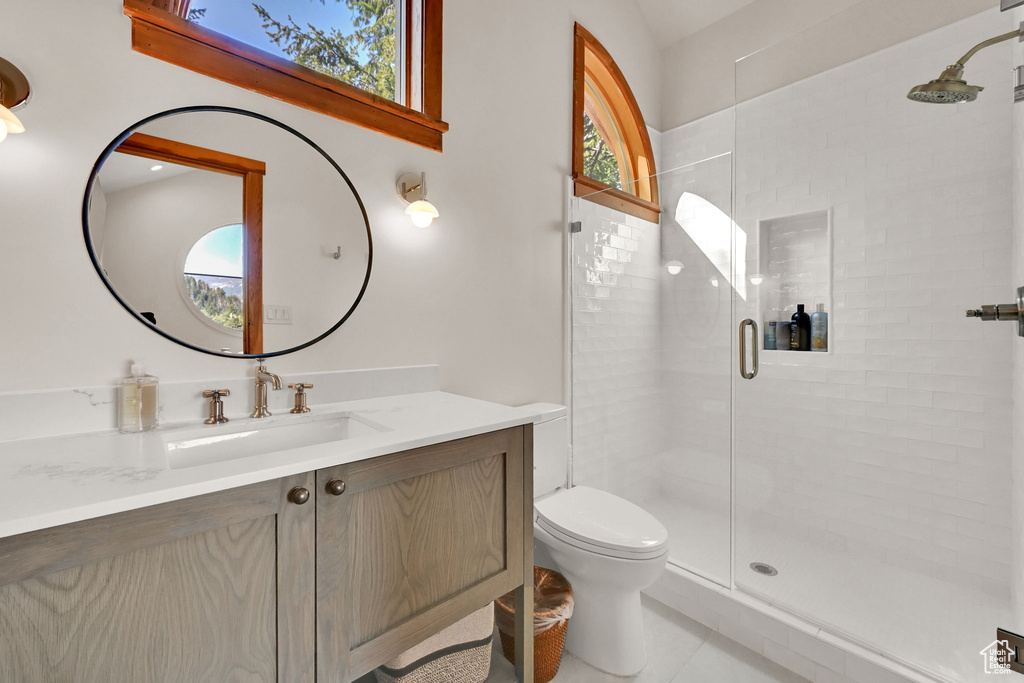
(227, 232)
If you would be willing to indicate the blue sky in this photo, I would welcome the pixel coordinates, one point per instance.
(238, 19)
(218, 252)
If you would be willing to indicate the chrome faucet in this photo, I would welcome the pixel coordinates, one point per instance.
(262, 378)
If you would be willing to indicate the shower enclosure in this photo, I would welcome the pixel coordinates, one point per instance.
(864, 489)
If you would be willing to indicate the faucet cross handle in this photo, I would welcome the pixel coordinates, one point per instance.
(216, 393)
(300, 397)
(216, 406)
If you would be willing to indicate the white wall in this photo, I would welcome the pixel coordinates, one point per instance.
(800, 38)
(149, 230)
(480, 293)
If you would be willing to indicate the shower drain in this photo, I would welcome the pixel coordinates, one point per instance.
(762, 568)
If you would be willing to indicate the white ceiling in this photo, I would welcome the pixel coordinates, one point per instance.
(672, 20)
(121, 171)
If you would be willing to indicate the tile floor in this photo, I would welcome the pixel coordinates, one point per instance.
(679, 650)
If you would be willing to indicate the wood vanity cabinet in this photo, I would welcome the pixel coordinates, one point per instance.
(250, 584)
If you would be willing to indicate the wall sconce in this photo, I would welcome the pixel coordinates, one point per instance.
(674, 267)
(412, 188)
(14, 92)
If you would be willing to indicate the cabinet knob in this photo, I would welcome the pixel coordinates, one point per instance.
(336, 487)
(298, 495)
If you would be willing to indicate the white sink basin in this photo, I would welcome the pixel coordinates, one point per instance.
(216, 443)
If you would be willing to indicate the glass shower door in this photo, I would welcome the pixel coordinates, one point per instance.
(872, 494)
(652, 355)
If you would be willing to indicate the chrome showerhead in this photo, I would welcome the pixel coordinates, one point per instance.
(949, 88)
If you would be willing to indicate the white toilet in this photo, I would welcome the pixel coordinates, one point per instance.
(608, 548)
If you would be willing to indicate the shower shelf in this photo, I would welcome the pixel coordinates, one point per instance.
(795, 267)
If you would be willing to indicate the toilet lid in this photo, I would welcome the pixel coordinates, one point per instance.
(602, 519)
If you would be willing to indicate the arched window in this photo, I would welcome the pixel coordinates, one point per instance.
(213, 276)
(613, 162)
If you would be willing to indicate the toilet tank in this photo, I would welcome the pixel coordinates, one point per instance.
(550, 446)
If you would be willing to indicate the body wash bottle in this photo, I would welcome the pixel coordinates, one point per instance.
(819, 329)
(138, 401)
(801, 340)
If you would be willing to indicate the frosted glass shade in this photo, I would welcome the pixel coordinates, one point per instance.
(421, 212)
(10, 121)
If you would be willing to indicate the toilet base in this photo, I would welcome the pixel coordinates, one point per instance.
(607, 629)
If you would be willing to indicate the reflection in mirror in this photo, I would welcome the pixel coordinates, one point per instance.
(227, 232)
(250, 208)
(214, 278)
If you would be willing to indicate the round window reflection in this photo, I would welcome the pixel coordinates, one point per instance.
(213, 276)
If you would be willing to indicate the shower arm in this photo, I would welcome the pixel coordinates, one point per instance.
(986, 43)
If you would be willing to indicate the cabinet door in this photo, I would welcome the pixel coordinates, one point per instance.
(217, 588)
(415, 541)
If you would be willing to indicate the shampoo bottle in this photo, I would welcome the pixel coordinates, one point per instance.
(769, 335)
(801, 340)
(783, 332)
(138, 399)
(819, 329)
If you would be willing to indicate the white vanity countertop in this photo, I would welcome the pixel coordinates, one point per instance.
(59, 480)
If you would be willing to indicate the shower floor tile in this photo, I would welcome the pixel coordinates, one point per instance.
(917, 619)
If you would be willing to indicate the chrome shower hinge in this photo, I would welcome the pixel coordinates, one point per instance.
(1014, 311)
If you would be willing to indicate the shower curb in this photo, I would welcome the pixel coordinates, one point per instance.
(805, 649)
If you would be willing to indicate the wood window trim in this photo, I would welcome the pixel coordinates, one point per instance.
(251, 171)
(592, 63)
(159, 34)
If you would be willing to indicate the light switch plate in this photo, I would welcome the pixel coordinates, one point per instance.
(277, 315)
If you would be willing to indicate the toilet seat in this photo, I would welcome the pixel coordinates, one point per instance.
(602, 523)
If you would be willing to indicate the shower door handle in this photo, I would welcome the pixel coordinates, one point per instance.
(743, 349)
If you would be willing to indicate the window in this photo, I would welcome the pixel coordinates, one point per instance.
(213, 276)
(599, 161)
(613, 162)
(375, 63)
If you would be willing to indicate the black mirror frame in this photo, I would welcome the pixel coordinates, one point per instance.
(109, 149)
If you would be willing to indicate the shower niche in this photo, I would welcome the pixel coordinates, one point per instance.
(794, 267)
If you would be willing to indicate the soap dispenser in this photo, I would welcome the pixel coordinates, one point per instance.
(138, 401)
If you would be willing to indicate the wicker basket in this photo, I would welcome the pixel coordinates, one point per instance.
(552, 607)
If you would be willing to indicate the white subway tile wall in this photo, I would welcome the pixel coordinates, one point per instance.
(794, 266)
(897, 445)
(616, 395)
(1016, 623)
